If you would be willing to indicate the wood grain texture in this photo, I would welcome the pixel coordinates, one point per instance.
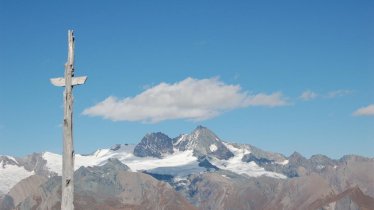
(68, 143)
(68, 151)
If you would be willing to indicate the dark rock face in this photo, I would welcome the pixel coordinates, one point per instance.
(154, 145)
(204, 162)
(261, 161)
(162, 177)
(203, 142)
(4, 160)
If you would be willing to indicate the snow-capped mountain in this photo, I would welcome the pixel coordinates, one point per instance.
(200, 166)
(156, 153)
(203, 142)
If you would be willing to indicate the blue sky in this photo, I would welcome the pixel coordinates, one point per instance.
(282, 75)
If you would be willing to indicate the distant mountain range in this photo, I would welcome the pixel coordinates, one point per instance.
(192, 171)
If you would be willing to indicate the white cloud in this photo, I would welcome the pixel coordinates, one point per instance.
(365, 111)
(338, 93)
(308, 95)
(190, 99)
(262, 99)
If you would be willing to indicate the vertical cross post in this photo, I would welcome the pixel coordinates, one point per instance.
(68, 147)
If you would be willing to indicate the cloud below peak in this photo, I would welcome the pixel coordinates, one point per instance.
(190, 99)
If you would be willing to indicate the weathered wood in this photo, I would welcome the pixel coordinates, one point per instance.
(68, 144)
(68, 152)
(60, 82)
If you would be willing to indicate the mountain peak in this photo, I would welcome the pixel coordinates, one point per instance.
(200, 127)
(202, 133)
(296, 155)
(203, 142)
(155, 134)
(154, 145)
(114, 163)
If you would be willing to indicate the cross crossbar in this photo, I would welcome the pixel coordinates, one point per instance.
(60, 82)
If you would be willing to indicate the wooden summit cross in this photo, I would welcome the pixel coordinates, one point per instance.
(68, 152)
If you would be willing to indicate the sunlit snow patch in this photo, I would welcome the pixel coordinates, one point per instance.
(213, 148)
(236, 165)
(11, 175)
(177, 164)
(285, 162)
(53, 162)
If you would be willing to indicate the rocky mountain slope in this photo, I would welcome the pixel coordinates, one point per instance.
(192, 171)
(110, 186)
